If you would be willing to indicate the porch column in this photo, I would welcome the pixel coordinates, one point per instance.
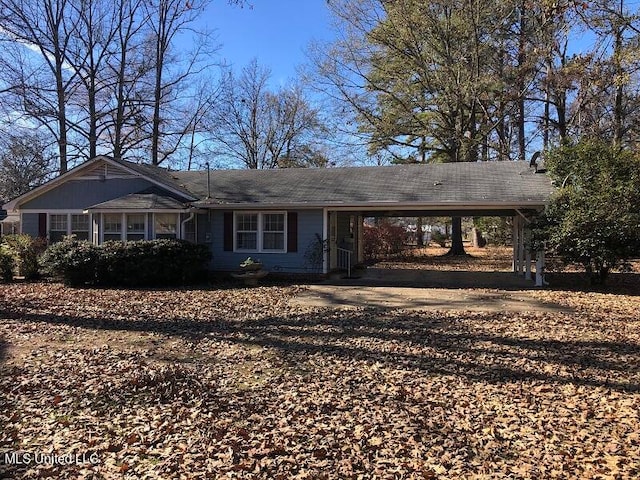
(325, 241)
(360, 239)
(333, 240)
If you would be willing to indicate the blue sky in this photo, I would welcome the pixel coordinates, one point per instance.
(275, 32)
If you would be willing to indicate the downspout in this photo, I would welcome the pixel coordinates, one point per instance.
(189, 218)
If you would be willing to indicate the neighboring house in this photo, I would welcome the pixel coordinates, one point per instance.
(9, 224)
(278, 216)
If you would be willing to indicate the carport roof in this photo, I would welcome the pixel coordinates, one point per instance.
(445, 185)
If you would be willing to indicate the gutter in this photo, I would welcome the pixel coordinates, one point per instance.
(375, 206)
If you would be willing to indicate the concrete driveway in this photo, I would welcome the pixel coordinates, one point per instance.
(427, 289)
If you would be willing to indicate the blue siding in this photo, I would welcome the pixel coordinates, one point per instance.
(30, 224)
(309, 224)
(78, 194)
(204, 230)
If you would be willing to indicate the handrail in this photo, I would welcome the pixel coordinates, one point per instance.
(344, 260)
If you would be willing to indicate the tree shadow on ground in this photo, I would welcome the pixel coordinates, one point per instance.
(472, 346)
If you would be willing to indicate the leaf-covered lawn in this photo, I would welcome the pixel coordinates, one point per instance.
(235, 383)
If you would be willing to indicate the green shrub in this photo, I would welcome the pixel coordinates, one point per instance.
(593, 218)
(140, 263)
(73, 260)
(25, 250)
(7, 264)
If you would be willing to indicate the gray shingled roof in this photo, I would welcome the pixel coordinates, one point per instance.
(140, 201)
(158, 174)
(483, 183)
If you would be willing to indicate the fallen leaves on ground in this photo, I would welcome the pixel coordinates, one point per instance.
(235, 383)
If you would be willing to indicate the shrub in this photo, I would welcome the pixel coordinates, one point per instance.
(438, 237)
(593, 218)
(7, 264)
(496, 230)
(25, 250)
(383, 239)
(140, 263)
(73, 260)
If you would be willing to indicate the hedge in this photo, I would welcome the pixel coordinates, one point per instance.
(131, 264)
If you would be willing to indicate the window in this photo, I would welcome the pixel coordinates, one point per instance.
(260, 232)
(247, 231)
(273, 231)
(57, 227)
(166, 225)
(112, 226)
(136, 226)
(80, 226)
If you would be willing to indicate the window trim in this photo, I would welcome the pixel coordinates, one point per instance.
(260, 232)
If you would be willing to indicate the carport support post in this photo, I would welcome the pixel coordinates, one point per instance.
(540, 269)
(518, 245)
(514, 242)
(527, 261)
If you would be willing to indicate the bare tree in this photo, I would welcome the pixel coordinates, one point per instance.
(263, 128)
(41, 88)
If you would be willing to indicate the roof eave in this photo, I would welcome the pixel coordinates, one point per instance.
(138, 210)
(533, 204)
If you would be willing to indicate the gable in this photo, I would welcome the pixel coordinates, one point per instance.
(96, 181)
(78, 194)
(105, 171)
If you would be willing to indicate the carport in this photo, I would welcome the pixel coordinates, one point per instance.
(505, 189)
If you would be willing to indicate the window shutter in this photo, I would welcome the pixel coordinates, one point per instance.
(228, 231)
(42, 225)
(292, 231)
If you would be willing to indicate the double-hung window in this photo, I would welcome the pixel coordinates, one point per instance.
(112, 226)
(80, 226)
(62, 224)
(57, 227)
(273, 232)
(166, 225)
(247, 231)
(260, 232)
(136, 226)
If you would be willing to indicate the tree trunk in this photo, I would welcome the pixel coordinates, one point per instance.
(419, 236)
(618, 113)
(521, 83)
(62, 117)
(457, 247)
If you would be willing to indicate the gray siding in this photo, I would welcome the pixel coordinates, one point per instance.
(78, 194)
(30, 224)
(309, 223)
